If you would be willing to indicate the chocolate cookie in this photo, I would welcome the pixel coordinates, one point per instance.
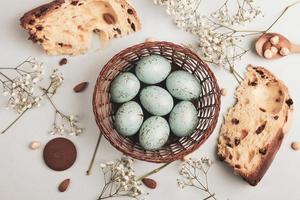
(59, 154)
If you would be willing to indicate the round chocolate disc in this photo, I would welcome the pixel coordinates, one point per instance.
(59, 154)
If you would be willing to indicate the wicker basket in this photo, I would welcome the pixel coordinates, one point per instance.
(208, 105)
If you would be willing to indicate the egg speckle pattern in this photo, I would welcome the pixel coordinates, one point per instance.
(152, 69)
(124, 87)
(129, 118)
(183, 119)
(156, 100)
(154, 133)
(183, 85)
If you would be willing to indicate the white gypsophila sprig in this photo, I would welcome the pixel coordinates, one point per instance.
(120, 180)
(21, 86)
(63, 123)
(194, 173)
(218, 40)
(22, 91)
(245, 12)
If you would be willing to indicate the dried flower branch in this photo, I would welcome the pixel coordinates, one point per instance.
(21, 86)
(219, 41)
(88, 171)
(120, 180)
(194, 173)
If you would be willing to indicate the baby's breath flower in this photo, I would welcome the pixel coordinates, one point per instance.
(218, 40)
(194, 173)
(24, 92)
(120, 177)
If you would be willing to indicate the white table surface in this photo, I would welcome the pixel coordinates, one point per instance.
(23, 174)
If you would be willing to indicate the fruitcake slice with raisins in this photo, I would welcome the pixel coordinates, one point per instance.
(254, 127)
(66, 26)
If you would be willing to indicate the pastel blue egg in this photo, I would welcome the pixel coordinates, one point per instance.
(129, 118)
(124, 87)
(154, 133)
(183, 119)
(183, 85)
(156, 100)
(152, 69)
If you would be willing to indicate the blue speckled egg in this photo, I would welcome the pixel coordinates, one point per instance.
(124, 87)
(154, 133)
(183, 119)
(129, 118)
(152, 69)
(156, 100)
(183, 85)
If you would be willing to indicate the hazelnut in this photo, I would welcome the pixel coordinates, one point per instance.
(274, 40)
(223, 92)
(185, 158)
(34, 145)
(274, 50)
(284, 51)
(268, 54)
(295, 146)
(150, 39)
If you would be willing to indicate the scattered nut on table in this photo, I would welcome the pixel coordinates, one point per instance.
(150, 39)
(185, 158)
(223, 92)
(295, 146)
(34, 145)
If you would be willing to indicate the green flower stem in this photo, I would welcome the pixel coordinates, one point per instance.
(281, 15)
(11, 124)
(88, 172)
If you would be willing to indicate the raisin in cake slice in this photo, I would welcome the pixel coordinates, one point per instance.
(254, 127)
(66, 26)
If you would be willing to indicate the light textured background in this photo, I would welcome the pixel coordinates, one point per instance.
(23, 175)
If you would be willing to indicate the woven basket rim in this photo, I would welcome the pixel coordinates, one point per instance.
(187, 151)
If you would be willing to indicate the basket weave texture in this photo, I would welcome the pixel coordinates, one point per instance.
(208, 104)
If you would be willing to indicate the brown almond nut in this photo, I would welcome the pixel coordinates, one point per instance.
(109, 19)
(80, 87)
(63, 186)
(63, 61)
(150, 183)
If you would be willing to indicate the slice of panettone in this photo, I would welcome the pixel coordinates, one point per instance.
(66, 26)
(254, 127)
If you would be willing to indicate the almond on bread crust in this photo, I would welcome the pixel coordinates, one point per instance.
(66, 26)
(254, 127)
